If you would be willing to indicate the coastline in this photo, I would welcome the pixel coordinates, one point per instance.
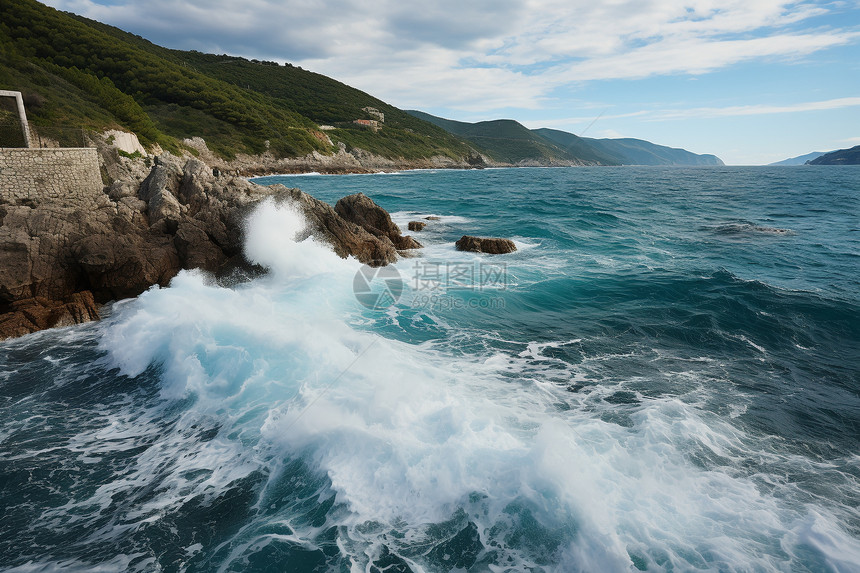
(156, 214)
(64, 255)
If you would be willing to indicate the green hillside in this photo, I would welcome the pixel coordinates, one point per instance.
(839, 157)
(576, 145)
(800, 159)
(77, 73)
(508, 141)
(628, 151)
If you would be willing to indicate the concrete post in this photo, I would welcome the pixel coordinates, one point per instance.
(22, 115)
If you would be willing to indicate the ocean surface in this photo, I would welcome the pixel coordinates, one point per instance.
(664, 377)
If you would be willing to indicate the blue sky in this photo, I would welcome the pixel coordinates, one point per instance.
(752, 81)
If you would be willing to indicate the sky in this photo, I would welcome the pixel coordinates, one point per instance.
(751, 81)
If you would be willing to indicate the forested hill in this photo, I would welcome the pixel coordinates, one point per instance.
(629, 151)
(81, 73)
(839, 157)
(508, 141)
(511, 142)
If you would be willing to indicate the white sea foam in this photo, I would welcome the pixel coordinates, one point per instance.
(409, 435)
(402, 219)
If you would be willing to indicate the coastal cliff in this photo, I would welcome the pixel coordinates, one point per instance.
(839, 157)
(61, 256)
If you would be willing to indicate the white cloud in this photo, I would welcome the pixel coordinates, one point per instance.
(487, 54)
(742, 110)
(697, 56)
(575, 124)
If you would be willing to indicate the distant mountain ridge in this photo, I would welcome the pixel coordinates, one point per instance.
(509, 141)
(800, 159)
(631, 151)
(839, 157)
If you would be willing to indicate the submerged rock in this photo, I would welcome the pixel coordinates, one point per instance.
(492, 246)
(361, 210)
(417, 225)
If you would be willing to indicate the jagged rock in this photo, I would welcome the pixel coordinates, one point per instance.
(159, 190)
(35, 259)
(82, 307)
(122, 266)
(197, 184)
(196, 249)
(360, 209)
(492, 246)
(15, 263)
(346, 237)
(417, 225)
(123, 188)
(37, 313)
(116, 242)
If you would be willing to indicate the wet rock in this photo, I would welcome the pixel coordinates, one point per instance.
(361, 210)
(123, 266)
(346, 237)
(38, 313)
(59, 259)
(416, 225)
(492, 246)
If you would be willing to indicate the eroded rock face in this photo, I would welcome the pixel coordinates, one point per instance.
(159, 190)
(57, 262)
(345, 236)
(361, 210)
(32, 314)
(492, 246)
(122, 266)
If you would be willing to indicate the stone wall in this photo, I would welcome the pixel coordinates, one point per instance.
(65, 177)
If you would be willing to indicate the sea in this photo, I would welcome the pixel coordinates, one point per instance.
(665, 376)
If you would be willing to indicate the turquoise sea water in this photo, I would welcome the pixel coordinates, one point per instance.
(664, 377)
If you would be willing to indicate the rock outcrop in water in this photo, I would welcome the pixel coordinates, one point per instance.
(361, 209)
(345, 236)
(491, 246)
(60, 259)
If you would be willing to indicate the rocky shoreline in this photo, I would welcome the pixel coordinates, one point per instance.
(342, 162)
(60, 260)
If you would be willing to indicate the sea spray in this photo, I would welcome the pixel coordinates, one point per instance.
(408, 438)
(282, 422)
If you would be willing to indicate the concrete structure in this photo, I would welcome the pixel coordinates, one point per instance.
(62, 176)
(22, 115)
